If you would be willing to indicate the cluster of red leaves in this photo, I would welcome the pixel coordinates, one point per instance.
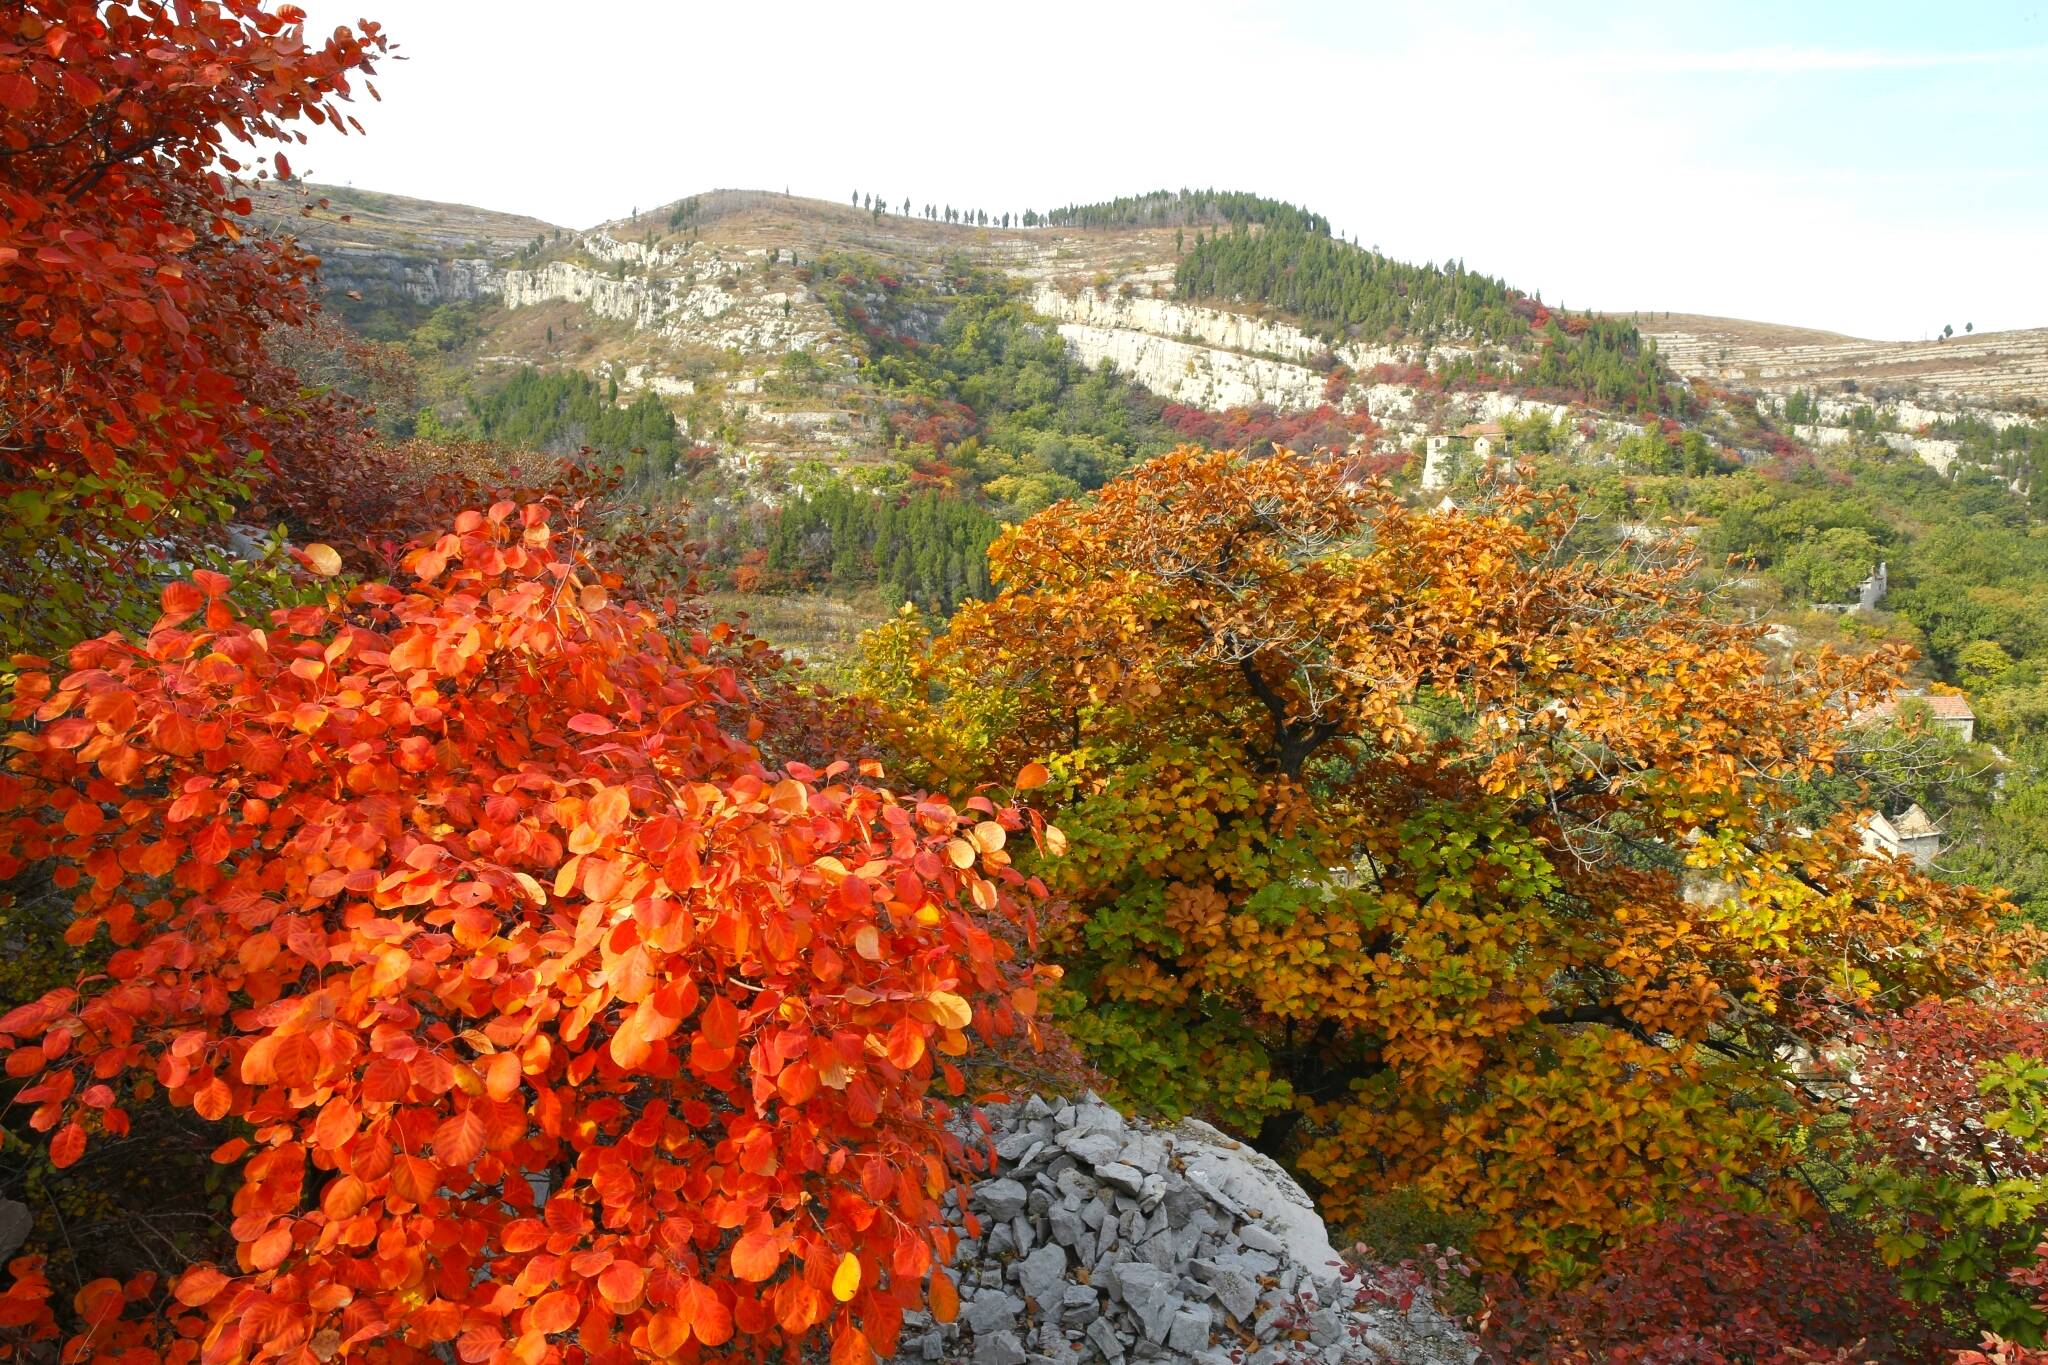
(1917, 1074)
(1708, 1286)
(939, 423)
(1262, 427)
(544, 1021)
(136, 310)
(376, 503)
(1410, 376)
(1996, 1350)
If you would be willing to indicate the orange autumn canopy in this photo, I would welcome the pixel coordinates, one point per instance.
(1448, 856)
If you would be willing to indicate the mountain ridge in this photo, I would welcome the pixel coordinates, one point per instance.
(724, 201)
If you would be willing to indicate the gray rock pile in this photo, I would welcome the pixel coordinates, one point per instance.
(1103, 1238)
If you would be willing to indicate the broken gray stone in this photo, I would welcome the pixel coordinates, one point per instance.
(1238, 1295)
(1041, 1274)
(1255, 1236)
(1189, 1331)
(1016, 1144)
(16, 1223)
(1105, 1339)
(1000, 1241)
(1144, 1151)
(990, 1311)
(1002, 1199)
(1173, 1230)
(1096, 1149)
(1149, 1293)
(1065, 1225)
(998, 1348)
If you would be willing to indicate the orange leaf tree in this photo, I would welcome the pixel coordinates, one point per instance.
(539, 1017)
(1433, 853)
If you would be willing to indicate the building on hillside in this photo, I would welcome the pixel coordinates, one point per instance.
(1945, 711)
(1910, 834)
(1870, 592)
(1487, 439)
(1951, 711)
(1443, 456)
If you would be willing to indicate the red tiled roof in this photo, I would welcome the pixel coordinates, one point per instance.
(1949, 706)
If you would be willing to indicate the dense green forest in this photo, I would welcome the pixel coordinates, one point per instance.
(975, 380)
(929, 548)
(1341, 288)
(563, 411)
(2018, 452)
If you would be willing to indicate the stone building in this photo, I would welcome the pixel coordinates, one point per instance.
(1951, 711)
(1945, 711)
(1910, 833)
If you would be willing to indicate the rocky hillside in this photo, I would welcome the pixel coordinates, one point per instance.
(732, 308)
(703, 302)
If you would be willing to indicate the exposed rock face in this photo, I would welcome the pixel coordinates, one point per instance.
(1932, 450)
(685, 309)
(1105, 1239)
(1199, 376)
(1205, 357)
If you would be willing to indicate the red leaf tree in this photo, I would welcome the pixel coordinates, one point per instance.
(135, 306)
(1712, 1286)
(542, 1018)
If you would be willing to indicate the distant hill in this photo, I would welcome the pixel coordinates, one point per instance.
(1986, 366)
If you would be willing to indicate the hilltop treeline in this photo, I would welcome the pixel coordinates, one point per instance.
(1340, 288)
(1184, 208)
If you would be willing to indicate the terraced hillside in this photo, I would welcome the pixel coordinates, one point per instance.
(1991, 367)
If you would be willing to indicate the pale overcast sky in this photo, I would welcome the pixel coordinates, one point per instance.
(1872, 167)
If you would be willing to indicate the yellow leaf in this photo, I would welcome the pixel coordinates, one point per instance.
(949, 1010)
(961, 852)
(323, 560)
(846, 1279)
